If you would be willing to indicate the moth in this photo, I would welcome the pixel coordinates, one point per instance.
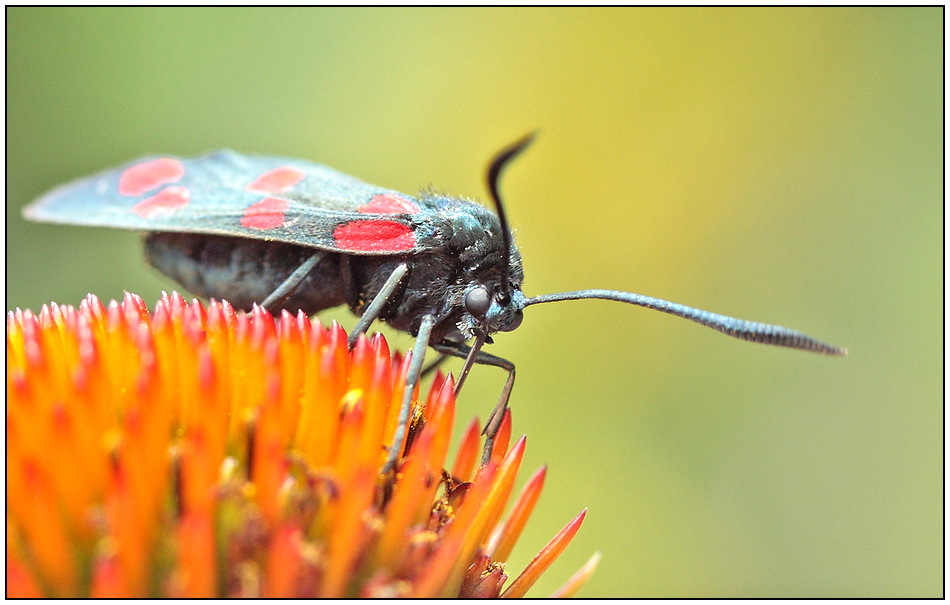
(288, 233)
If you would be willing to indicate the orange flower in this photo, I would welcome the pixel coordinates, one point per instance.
(199, 452)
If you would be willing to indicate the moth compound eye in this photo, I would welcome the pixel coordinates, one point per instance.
(515, 321)
(477, 301)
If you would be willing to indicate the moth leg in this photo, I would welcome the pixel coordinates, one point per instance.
(415, 370)
(458, 349)
(376, 305)
(273, 302)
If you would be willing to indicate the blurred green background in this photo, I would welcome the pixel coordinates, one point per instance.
(780, 165)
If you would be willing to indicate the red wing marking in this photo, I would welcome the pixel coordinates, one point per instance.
(388, 204)
(374, 236)
(277, 180)
(166, 200)
(148, 175)
(265, 214)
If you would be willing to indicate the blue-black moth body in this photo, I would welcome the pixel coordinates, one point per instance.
(288, 233)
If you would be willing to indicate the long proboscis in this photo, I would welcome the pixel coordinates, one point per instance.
(737, 328)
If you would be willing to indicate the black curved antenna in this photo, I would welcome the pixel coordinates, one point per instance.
(494, 171)
(737, 328)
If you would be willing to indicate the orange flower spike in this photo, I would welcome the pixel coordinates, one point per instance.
(292, 362)
(56, 341)
(436, 573)
(380, 348)
(467, 456)
(15, 340)
(189, 334)
(577, 581)
(344, 542)
(120, 358)
(89, 390)
(269, 464)
(242, 364)
(441, 422)
(68, 473)
(93, 310)
(304, 326)
(502, 438)
(543, 559)
(168, 351)
(399, 387)
(376, 399)
(338, 343)
(324, 385)
(17, 438)
(429, 449)
(283, 561)
(203, 442)
(127, 525)
(352, 414)
(136, 311)
(148, 442)
(491, 508)
(215, 376)
(433, 395)
(91, 380)
(411, 503)
(361, 362)
(403, 509)
(155, 347)
(29, 386)
(108, 578)
(497, 498)
(28, 382)
(383, 357)
(43, 529)
(248, 382)
(20, 582)
(42, 342)
(202, 446)
(197, 472)
(425, 447)
(263, 325)
(306, 423)
(200, 313)
(140, 489)
(504, 537)
(195, 573)
(362, 366)
(167, 308)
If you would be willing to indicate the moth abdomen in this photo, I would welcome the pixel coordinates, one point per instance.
(245, 271)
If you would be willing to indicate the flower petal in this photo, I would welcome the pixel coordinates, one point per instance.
(504, 537)
(543, 560)
(578, 580)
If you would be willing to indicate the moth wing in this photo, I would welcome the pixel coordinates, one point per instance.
(226, 193)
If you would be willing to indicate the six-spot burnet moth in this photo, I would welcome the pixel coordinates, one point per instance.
(292, 234)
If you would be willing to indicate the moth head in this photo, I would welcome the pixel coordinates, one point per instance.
(500, 311)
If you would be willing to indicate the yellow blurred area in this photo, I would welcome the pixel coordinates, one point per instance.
(780, 165)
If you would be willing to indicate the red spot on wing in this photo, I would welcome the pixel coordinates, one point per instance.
(166, 200)
(388, 204)
(148, 175)
(277, 180)
(374, 236)
(265, 214)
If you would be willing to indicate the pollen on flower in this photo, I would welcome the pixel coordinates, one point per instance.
(200, 452)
